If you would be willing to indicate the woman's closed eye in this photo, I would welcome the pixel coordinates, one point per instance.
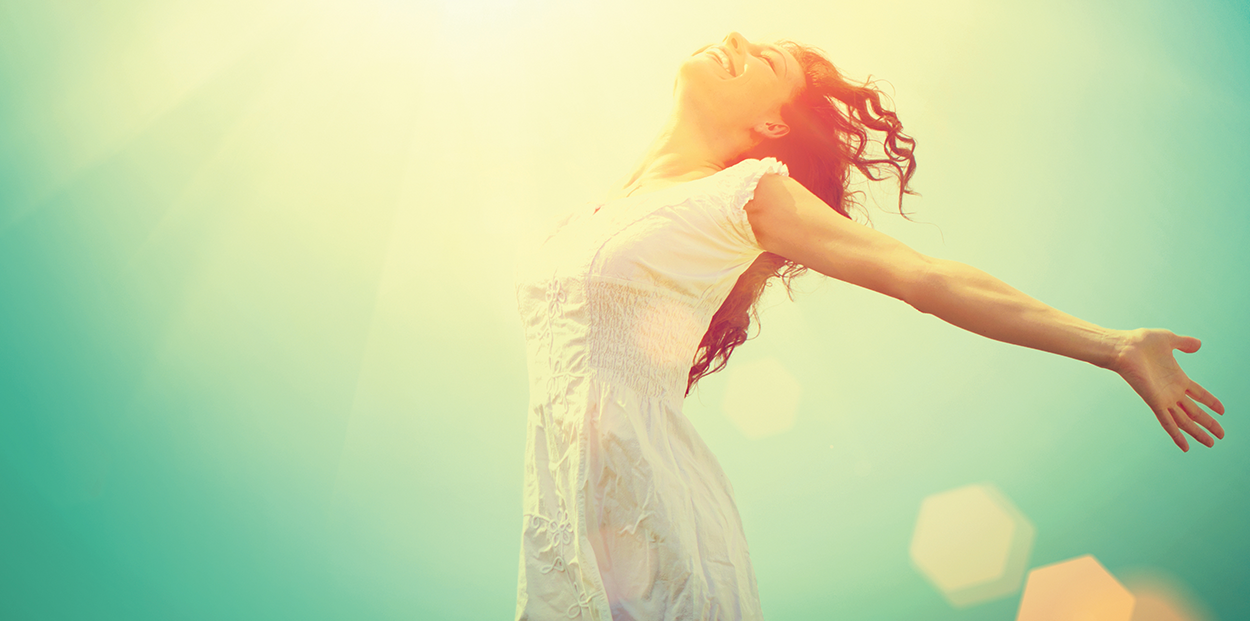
(771, 63)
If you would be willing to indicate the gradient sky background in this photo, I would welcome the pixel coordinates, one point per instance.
(259, 349)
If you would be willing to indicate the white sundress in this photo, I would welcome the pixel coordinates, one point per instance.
(627, 514)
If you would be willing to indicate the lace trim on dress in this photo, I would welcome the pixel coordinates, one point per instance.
(741, 189)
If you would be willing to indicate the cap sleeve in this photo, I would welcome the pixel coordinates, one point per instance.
(737, 188)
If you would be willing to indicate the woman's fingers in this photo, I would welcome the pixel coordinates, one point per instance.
(1185, 422)
(1198, 414)
(1169, 425)
(1204, 397)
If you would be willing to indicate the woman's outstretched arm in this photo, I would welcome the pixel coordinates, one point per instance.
(790, 221)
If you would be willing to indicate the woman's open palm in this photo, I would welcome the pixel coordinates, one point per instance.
(1146, 362)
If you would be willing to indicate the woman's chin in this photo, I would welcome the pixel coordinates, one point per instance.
(698, 85)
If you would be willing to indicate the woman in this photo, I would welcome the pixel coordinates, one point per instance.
(631, 300)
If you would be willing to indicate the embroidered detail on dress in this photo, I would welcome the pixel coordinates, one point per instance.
(575, 609)
(559, 531)
(556, 297)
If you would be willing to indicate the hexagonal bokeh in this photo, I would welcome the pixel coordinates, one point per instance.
(1157, 606)
(1080, 589)
(972, 544)
(1161, 597)
(761, 398)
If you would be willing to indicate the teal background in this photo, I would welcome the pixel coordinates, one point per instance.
(259, 351)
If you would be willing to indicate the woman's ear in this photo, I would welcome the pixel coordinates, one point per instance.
(772, 129)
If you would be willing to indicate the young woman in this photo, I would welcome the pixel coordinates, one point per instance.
(629, 301)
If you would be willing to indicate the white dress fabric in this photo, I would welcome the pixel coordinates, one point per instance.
(627, 514)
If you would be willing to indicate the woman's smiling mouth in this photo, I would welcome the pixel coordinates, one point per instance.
(725, 61)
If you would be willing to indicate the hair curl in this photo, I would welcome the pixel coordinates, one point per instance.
(836, 129)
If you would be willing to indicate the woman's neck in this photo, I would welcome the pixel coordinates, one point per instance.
(683, 151)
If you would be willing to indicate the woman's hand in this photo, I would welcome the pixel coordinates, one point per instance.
(1145, 361)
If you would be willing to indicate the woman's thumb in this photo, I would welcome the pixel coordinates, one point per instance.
(1187, 344)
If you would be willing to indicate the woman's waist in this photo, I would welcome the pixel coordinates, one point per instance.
(605, 377)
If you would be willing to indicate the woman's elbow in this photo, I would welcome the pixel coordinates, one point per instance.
(924, 279)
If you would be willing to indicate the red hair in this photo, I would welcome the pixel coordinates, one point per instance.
(836, 129)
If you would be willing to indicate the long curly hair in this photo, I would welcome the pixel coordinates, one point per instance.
(837, 129)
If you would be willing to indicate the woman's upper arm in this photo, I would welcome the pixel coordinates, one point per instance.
(790, 221)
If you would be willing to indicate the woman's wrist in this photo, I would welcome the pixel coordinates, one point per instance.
(1122, 345)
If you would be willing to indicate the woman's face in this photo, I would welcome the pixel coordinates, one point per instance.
(737, 84)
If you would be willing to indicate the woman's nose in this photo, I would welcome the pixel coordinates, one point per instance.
(735, 42)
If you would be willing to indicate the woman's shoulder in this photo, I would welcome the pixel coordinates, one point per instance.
(744, 171)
